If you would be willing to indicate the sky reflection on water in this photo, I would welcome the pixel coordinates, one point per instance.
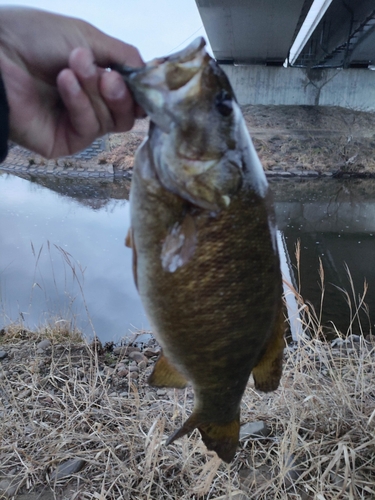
(44, 288)
(52, 227)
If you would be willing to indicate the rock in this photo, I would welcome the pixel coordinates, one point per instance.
(134, 375)
(137, 356)
(353, 338)
(133, 368)
(125, 350)
(67, 468)
(142, 365)
(122, 373)
(24, 394)
(8, 487)
(234, 495)
(108, 370)
(254, 429)
(161, 392)
(3, 354)
(43, 344)
(149, 353)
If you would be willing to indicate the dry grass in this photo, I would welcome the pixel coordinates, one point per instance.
(70, 403)
(61, 405)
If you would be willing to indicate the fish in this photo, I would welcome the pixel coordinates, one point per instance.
(203, 237)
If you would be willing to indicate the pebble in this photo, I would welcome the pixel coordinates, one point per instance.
(137, 356)
(43, 344)
(67, 468)
(134, 375)
(161, 392)
(108, 370)
(254, 429)
(234, 495)
(3, 354)
(142, 365)
(149, 353)
(8, 487)
(24, 394)
(133, 368)
(123, 372)
(125, 350)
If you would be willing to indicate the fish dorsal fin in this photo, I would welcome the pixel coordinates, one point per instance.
(179, 245)
(165, 374)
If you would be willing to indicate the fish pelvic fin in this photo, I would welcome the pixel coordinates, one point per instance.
(165, 374)
(267, 372)
(179, 245)
(218, 437)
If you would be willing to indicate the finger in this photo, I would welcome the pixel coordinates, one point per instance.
(81, 62)
(83, 125)
(118, 99)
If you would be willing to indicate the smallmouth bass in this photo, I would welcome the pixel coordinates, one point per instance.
(203, 235)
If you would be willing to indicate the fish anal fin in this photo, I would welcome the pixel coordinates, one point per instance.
(165, 374)
(267, 372)
(179, 245)
(129, 242)
(218, 437)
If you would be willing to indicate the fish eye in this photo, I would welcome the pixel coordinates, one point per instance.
(223, 103)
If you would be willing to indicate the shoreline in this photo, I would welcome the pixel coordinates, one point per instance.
(79, 418)
(291, 142)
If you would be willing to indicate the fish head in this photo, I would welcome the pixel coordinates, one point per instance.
(196, 133)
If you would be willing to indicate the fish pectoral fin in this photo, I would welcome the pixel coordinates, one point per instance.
(221, 438)
(267, 372)
(129, 238)
(165, 374)
(179, 245)
(129, 242)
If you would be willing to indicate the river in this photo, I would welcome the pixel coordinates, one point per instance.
(62, 253)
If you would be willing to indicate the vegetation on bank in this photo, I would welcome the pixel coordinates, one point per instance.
(78, 424)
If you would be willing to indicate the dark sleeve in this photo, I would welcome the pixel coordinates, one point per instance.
(4, 122)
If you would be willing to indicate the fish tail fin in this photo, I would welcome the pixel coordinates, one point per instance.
(267, 372)
(221, 438)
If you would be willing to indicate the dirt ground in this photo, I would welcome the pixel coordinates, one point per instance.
(294, 139)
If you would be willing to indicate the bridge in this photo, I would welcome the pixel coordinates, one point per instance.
(312, 52)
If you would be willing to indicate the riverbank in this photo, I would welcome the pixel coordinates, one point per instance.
(80, 422)
(292, 141)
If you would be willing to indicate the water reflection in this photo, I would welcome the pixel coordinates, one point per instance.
(335, 222)
(62, 249)
(62, 253)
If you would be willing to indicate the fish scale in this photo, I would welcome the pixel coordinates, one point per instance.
(203, 236)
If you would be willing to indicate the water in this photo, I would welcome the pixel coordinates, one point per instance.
(62, 253)
(62, 249)
(334, 220)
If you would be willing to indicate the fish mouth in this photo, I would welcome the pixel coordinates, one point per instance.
(182, 56)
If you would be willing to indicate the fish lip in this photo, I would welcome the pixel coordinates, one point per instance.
(128, 72)
(189, 52)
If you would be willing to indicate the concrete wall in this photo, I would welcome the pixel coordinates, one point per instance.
(255, 84)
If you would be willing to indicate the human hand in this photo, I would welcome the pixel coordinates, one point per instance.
(60, 95)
